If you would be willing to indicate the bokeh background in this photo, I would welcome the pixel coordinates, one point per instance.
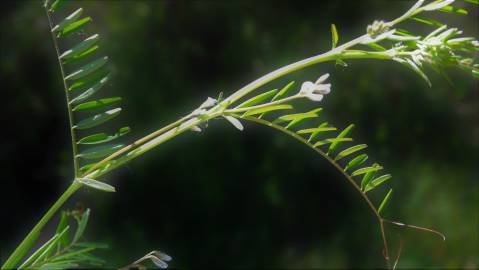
(252, 199)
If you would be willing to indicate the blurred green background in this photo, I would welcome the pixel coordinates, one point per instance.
(252, 199)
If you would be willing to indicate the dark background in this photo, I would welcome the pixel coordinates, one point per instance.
(251, 199)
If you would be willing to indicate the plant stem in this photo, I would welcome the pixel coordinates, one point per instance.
(30, 239)
(138, 151)
(137, 143)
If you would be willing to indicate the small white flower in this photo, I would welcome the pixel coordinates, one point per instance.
(210, 102)
(315, 91)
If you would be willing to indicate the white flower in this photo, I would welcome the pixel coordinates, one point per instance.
(210, 102)
(315, 91)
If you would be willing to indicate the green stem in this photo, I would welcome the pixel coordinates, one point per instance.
(138, 151)
(32, 236)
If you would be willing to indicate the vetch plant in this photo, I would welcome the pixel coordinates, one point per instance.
(94, 155)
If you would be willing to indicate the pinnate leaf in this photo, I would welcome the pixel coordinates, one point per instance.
(267, 109)
(103, 137)
(357, 161)
(97, 119)
(73, 27)
(100, 151)
(258, 99)
(68, 20)
(366, 170)
(385, 201)
(350, 150)
(97, 104)
(80, 47)
(87, 69)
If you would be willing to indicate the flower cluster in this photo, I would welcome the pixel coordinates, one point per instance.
(442, 48)
(315, 91)
(377, 28)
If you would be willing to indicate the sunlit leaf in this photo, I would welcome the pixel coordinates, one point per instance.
(367, 177)
(81, 47)
(68, 20)
(403, 32)
(292, 117)
(334, 34)
(258, 99)
(385, 201)
(87, 69)
(314, 130)
(283, 91)
(97, 119)
(350, 151)
(427, 21)
(90, 91)
(96, 104)
(321, 128)
(376, 182)
(74, 27)
(376, 47)
(357, 161)
(343, 133)
(332, 140)
(297, 118)
(55, 5)
(453, 10)
(268, 109)
(366, 170)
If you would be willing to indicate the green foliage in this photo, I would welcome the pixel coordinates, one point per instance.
(87, 79)
(319, 139)
(63, 251)
(439, 49)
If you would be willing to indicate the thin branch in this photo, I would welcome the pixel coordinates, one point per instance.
(419, 228)
(399, 254)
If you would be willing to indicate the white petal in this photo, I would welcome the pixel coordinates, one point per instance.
(307, 87)
(315, 97)
(210, 102)
(235, 122)
(323, 89)
(434, 6)
(322, 78)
